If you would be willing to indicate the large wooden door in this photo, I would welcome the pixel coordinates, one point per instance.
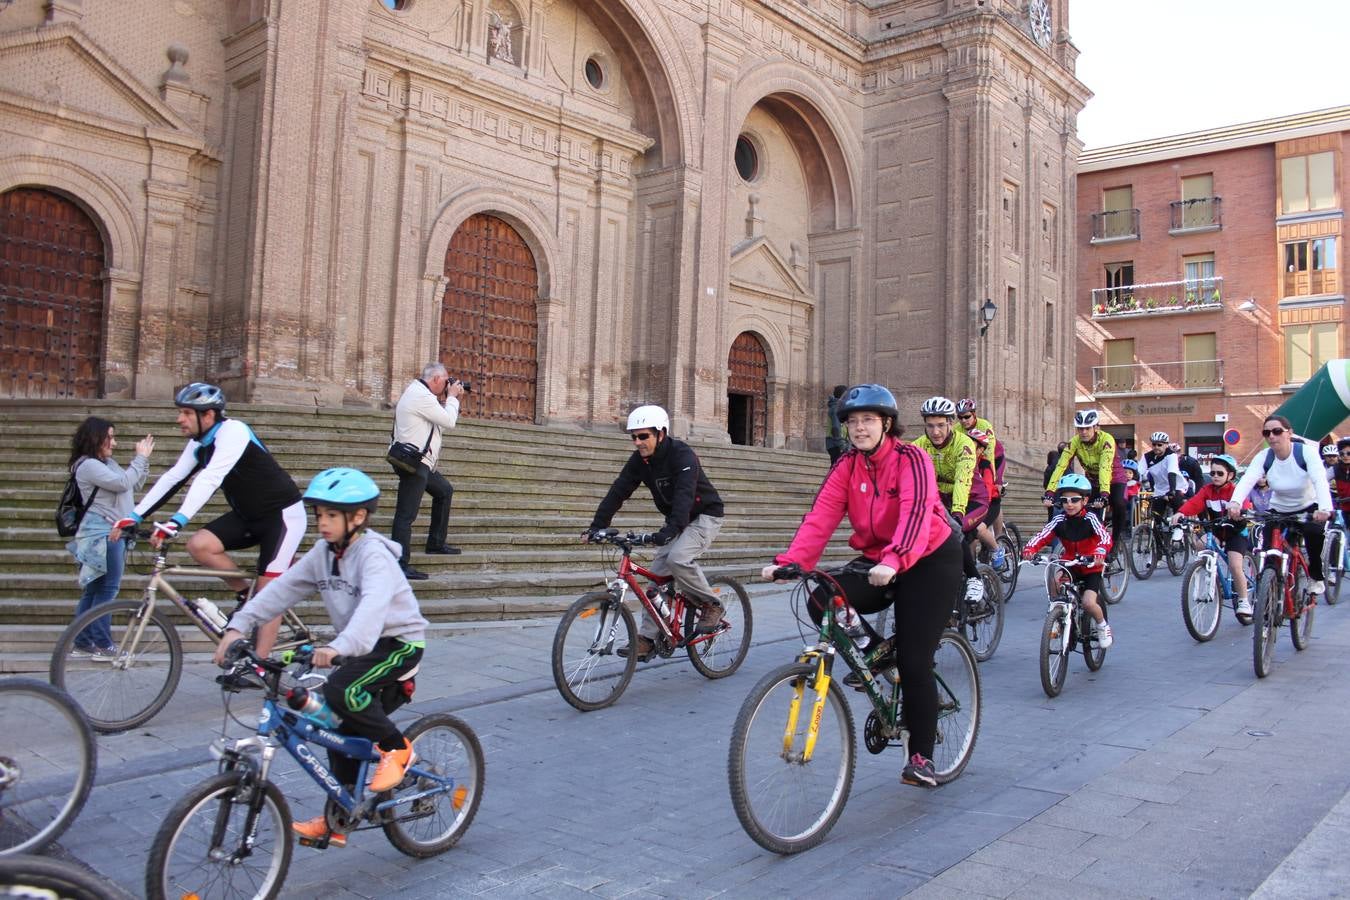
(747, 390)
(51, 297)
(489, 322)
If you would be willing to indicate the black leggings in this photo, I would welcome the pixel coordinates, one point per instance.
(1314, 536)
(922, 596)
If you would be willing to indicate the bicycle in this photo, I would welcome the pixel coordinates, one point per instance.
(47, 762)
(1068, 626)
(1116, 575)
(1282, 590)
(42, 878)
(1334, 560)
(981, 623)
(232, 832)
(130, 689)
(790, 765)
(588, 668)
(1152, 541)
(1207, 584)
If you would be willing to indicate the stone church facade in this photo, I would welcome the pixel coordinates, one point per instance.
(723, 207)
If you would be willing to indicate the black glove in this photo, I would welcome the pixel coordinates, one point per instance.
(661, 538)
(1098, 501)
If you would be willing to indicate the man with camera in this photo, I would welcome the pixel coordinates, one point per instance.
(429, 404)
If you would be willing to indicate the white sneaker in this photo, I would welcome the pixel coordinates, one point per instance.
(1104, 639)
(1318, 588)
(1244, 607)
(974, 590)
(1177, 536)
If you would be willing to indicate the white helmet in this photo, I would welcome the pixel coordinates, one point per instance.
(1085, 418)
(938, 406)
(1329, 451)
(648, 417)
(1160, 437)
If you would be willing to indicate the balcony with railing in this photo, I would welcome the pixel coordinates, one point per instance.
(1198, 215)
(1196, 376)
(1115, 225)
(1188, 295)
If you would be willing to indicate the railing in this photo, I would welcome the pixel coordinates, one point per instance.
(1115, 225)
(1202, 212)
(1198, 295)
(1196, 375)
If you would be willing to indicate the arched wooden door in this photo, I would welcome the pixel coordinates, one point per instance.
(747, 390)
(51, 297)
(489, 322)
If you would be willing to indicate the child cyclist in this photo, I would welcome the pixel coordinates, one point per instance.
(381, 632)
(1212, 500)
(1082, 534)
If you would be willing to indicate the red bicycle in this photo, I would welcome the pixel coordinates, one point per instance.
(588, 668)
(1282, 589)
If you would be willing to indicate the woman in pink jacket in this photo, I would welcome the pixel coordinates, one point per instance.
(889, 492)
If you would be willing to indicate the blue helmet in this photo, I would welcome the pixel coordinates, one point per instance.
(1227, 461)
(868, 398)
(1074, 482)
(1131, 465)
(343, 488)
(200, 396)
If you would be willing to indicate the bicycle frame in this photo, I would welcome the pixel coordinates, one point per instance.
(1286, 557)
(626, 579)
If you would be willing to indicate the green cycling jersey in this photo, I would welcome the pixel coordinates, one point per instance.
(1097, 456)
(954, 465)
(990, 448)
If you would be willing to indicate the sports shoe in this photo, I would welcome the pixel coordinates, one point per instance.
(316, 831)
(103, 654)
(1104, 639)
(1317, 588)
(710, 620)
(1000, 557)
(81, 652)
(1243, 610)
(919, 772)
(645, 648)
(393, 765)
(974, 590)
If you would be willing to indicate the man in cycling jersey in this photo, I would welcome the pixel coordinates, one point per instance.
(1095, 450)
(955, 458)
(265, 507)
(1165, 478)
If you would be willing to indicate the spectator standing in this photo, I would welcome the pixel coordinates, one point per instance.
(429, 404)
(99, 547)
(836, 442)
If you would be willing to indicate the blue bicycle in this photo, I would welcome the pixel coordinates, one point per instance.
(230, 836)
(1207, 583)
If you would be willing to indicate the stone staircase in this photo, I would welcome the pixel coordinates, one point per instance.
(522, 496)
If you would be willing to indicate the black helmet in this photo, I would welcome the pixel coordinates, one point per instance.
(868, 398)
(200, 396)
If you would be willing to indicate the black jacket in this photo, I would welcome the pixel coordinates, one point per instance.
(680, 489)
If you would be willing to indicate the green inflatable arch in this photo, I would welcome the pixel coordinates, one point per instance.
(1322, 403)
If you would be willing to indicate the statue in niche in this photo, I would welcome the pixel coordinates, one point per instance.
(499, 38)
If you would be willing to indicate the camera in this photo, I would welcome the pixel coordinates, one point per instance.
(467, 385)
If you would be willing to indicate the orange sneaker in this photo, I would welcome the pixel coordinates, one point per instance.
(315, 830)
(393, 765)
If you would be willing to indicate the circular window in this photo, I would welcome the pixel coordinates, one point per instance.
(747, 158)
(595, 73)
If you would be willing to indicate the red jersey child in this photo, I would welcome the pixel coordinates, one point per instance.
(1211, 502)
(1082, 535)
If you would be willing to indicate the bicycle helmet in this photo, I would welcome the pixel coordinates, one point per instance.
(648, 417)
(1226, 461)
(1131, 465)
(938, 406)
(1160, 437)
(965, 405)
(1329, 451)
(868, 398)
(1074, 482)
(978, 436)
(1085, 418)
(200, 396)
(1343, 443)
(343, 488)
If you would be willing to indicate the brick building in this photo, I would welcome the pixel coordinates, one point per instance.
(721, 207)
(1209, 285)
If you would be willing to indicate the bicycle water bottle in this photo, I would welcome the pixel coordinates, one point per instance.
(658, 598)
(311, 705)
(210, 612)
(849, 618)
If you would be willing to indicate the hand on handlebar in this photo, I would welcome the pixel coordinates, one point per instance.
(225, 650)
(324, 657)
(880, 575)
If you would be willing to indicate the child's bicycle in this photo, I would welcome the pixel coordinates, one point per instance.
(231, 835)
(588, 667)
(1207, 583)
(129, 689)
(1068, 626)
(793, 748)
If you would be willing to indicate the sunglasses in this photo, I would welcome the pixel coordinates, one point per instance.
(1345, 453)
(965, 416)
(642, 436)
(1217, 472)
(1072, 499)
(1272, 432)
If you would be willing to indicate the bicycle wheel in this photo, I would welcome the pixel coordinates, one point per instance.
(1301, 626)
(1201, 605)
(1011, 568)
(1265, 621)
(724, 652)
(202, 849)
(1333, 565)
(787, 804)
(589, 672)
(1093, 653)
(130, 689)
(446, 749)
(982, 623)
(959, 706)
(1177, 553)
(47, 762)
(1116, 576)
(24, 875)
(1142, 558)
(1054, 652)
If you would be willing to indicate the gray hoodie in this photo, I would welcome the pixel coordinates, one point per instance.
(367, 599)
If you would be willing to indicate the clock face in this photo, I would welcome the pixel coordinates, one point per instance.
(1038, 18)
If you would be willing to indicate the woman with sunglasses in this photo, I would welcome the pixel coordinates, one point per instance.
(1211, 502)
(1297, 481)
(1340, 479)
(1081, 534)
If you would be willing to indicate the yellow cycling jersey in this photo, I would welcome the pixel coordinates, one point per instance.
(954, 465)
(1098, 457)
(991, 448)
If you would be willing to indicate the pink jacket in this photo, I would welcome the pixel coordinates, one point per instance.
(892, 502)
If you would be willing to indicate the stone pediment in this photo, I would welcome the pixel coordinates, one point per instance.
(60, 70)
(756, 263)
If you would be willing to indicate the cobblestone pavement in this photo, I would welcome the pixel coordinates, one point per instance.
(1172, 772)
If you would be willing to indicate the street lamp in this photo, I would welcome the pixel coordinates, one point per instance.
(987, 311)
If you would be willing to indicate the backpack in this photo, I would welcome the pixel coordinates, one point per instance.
(1298, 457)
(70, 511)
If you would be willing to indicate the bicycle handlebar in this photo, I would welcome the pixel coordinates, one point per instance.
(628, 541)
(242, 651)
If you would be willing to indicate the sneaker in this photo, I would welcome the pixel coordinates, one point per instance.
(1000, 558)
(234, 682)
(974, 590)
(393, 766)
(1317, 588)
(645, 648)
(1243, 610)
(81, 652)
(710, 620)
(1177, 536)
(103, 654)
(1104, 638)
(315, 831)
(919, 772)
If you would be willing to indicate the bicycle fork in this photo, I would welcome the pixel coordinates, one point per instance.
(820, 690)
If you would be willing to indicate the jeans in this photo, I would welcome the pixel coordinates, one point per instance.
(101, 590)
(410, 491)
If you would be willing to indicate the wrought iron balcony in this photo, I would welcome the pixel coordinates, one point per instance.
(1197, 295)
(1115, 225)
(1197, 376)
(1200, 214)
